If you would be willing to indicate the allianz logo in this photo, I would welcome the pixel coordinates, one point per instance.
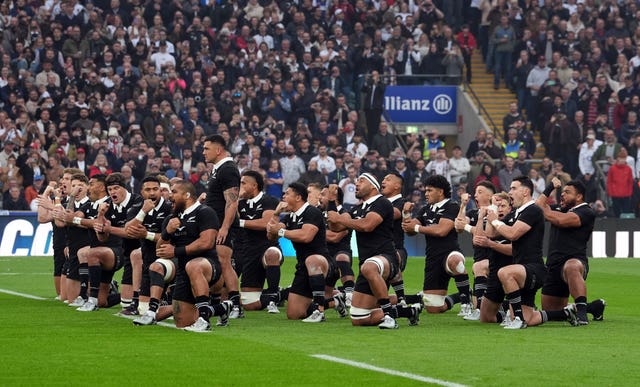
(442, 104)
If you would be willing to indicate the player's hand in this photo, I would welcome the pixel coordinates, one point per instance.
(148, 205)
(58, 213)
(408, 207)
(556, 182)
(222, 235)
(333, 192)
(459, 224)
(173, 225)
(491, 216)
(102, 227)
(135, 231)
(203, 197)
(282, 206)
(464, 199)
(333, 217)
(103, 209)
(480, 240)
(166, 251)
(408, 225)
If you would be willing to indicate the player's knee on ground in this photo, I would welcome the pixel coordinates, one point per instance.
(481, 268)
(272, 257)
(455, 263)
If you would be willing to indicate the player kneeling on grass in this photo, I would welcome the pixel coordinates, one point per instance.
(262, 257)
(305, 228)
(161, 273)
(373, 223)
(189, 235)
(571, 227)
(443, 259)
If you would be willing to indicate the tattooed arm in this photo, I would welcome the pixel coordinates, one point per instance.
(230, 211)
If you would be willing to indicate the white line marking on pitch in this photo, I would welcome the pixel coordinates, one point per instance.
(23, 295)
(25, 273)
(387, 371)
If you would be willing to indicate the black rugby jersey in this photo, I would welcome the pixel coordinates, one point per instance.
(60, 233)
(118, 215)
(153, 223)
(398, 233)
(252, 209)
(345, 243)
(308, 214)
(223, 177)
(498, 260)
(77, 237)
(528, 248)
(571, 242)
(479, 252)
(193, 221)
(430, 215)
(380, 240)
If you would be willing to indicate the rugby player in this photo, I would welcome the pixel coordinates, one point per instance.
(443, 259)
(372, 222)
(261, 257)
(189, 235)
(305, 228)
(571, 227)
(222, 197)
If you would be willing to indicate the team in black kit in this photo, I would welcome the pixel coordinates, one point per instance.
(176, 249)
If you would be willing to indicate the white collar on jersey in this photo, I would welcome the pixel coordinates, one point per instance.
(98, 202)
(156, 208)
(339, 207)
(395, 197)
(190, 209)
(81, 202)
(297, 214)
(255, 199)
(439, 204)
(578, 206)
(370, 200)
(121, 206)
(219, 163)
(523, 207)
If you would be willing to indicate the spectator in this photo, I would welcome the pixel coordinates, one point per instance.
(620, 184)
(348, 185)
(477, 144)
(440, 166)
(292, 167)
(101, 166)
(504, 37)
(15, 201)
(538, 183)
(487, 173)
(32, 191)
(608, 151)
(383, 141)
(507, 173)
(274, 179)
(459, 166)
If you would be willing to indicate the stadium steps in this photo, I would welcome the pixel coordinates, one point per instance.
(496, 102)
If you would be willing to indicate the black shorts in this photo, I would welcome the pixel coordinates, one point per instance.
(402, 257)
(300, 284)
(231, 238)
(435, 275)
(495, 291)
(362, 284)
(536, 274)
(107, 275)
(555, 285)
(73, 267)
(253, 270)
(182, 290)
(58, 261)
(127, 273)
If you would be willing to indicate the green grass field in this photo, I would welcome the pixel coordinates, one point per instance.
(45, 342)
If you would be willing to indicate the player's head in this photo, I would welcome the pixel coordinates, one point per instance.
(65, 180)
(572, 194)
(183, 195)
(520, 190)
(151, 188)
(165, 187)
(214, 148)
(79, 182)
(437, 188)
(313, 194)
(367, 186)
(251, 184)
(97, 188)
(484, 190)
(392, 184)
(295, 196)
(116, 187)
(325, 198)
(503, 202)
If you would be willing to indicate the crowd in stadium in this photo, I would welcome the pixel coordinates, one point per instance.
(134, 86)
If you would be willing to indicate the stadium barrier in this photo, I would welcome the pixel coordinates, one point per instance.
(22, 235)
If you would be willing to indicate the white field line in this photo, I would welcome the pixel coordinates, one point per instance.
(24, 295)
(387, 371)
(12, 273)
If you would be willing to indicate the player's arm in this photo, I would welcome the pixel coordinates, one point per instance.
(502, 248)
(230, 207)
(366, 224)
(302, 235)
(440, 229)
(258, 224)
(397, 214)
(512, 233)
(206, 241)
(560, 219)
(46, 205)
(335, 237)
(134, 228)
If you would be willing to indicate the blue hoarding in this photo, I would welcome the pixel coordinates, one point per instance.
(421, 104)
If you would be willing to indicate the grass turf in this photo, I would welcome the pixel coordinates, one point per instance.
(46, 343)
